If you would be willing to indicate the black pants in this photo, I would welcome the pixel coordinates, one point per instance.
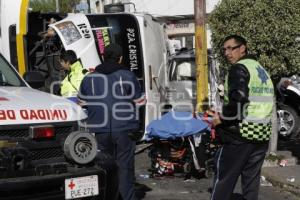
(234, 159)
(122, 149)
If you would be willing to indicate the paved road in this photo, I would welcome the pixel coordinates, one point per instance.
(176, 188)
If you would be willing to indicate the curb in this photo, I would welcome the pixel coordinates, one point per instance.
(275, 161)
(274, 171)
(276, 182)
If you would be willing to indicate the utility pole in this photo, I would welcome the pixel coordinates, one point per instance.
(274, 136)
(201, 55)
(57, 6)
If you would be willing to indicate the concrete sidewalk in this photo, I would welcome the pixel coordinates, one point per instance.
(283, 172)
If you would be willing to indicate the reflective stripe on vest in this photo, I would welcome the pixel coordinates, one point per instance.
(256, 123)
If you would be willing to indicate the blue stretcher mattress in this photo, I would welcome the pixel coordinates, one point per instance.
(176, 124)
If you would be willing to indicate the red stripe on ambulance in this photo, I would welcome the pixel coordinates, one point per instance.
(41, 114)
(7, 115)
(3, 99)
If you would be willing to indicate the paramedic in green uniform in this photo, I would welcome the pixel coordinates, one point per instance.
(74, 75)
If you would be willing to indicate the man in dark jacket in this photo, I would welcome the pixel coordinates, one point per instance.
(112, 94)
(245, 123)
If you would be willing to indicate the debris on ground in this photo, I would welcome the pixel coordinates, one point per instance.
(291, 180)
(190, 180)
(264, 182)
(283, 163)
(145, 176)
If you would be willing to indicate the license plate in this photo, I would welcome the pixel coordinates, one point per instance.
(81, 187)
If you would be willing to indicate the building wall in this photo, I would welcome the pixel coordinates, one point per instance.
(171, 7)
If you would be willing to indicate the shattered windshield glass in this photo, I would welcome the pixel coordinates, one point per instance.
(69, 32)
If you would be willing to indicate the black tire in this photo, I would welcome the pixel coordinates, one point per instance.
(288, 122)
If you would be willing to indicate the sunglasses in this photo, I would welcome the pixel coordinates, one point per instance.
(231, 48)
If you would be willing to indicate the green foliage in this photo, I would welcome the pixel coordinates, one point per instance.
(44, 6)
(271, 28)
(273, 158)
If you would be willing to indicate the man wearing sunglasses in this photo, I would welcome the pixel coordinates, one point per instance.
(244, 124)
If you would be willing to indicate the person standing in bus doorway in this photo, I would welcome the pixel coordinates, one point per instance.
(112, 95)
(74, 75)
(245, 123)
(50, 31)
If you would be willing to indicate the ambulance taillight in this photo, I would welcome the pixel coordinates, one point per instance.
(40, 132)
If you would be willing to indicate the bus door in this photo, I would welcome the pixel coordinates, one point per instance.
(76, 34)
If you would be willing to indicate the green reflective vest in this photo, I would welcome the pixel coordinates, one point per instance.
(257, 114)
(70, 85)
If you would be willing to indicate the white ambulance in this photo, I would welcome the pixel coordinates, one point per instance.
(45, 151)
